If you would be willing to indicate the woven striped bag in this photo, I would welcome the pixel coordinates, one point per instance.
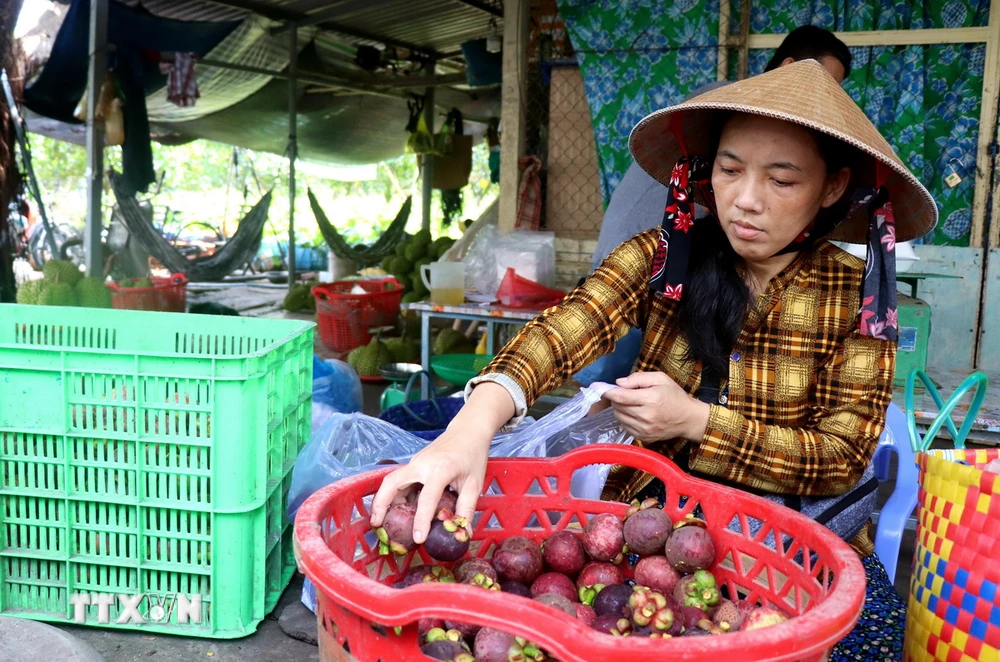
(954, 603)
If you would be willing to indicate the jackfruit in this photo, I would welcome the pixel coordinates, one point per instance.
(450, 341)
(421, 262)
(419, 288)
(352, 357)
(403, 350)
(28, 292)
(299, 297)
(62, 271)
(415, 251)
(372, 356)
(402, 265)
(91, 292)
(405, 280)
(57, 294)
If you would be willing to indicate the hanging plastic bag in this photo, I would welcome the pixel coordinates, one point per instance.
(114, 124)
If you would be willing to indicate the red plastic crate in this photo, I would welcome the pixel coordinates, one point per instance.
(817, 578)
(345, 319)
(168, 295)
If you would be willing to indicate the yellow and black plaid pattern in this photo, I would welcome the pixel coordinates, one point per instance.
(807, 393)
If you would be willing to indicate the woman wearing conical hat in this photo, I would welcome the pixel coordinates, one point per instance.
(768, 353)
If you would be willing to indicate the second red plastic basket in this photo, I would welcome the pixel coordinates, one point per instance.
(345, 319)
(168, 295)
(809, 573)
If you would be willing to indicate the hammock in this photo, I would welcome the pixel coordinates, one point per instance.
(239, 250)
(362, 256)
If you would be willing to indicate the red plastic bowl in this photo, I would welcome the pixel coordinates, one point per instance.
(817, 578)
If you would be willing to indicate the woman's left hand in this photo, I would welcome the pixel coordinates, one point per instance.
(652, 407)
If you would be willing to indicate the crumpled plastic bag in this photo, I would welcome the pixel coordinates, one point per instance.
(350, 444)
(336, 389)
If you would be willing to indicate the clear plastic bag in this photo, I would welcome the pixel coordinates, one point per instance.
(347, 445)
(480, 263)
(531, 254)
(566, 428)
(336, 389)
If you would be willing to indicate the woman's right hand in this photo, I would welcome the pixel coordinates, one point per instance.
(456, 459)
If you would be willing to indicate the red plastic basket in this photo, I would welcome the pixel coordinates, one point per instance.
(816, 577)
(345, 319)
(168, 295)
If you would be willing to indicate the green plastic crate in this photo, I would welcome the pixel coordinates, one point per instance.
(149, 453)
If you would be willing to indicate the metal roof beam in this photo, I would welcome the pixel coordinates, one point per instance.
(484, 5)
(268, 11)
(340, 9)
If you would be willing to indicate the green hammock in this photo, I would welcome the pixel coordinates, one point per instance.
(371, 255)
(239, 250)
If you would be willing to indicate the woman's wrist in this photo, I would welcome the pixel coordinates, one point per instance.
(487, 410)
(697, 423)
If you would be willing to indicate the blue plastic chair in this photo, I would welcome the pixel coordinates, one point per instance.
(901, 436)
(897, 510)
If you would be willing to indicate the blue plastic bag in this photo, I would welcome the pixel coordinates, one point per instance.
(336, 389)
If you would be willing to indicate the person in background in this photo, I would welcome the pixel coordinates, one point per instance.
(637, 202)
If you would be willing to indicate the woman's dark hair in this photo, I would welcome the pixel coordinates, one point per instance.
(716, 299)
(810, 42)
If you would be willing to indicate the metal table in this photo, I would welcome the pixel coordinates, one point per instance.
(490, 315)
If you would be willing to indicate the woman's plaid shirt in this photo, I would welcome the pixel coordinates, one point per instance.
(807, 393)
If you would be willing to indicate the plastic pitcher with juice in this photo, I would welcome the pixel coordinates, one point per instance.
(446, 282)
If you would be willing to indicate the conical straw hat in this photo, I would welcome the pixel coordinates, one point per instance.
(802, 93)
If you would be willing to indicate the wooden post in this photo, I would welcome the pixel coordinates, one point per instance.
(722, 65)
(427, 171)
(512, 115)
(293, 143)
(985, 163)
(96, 72)
(744, 54)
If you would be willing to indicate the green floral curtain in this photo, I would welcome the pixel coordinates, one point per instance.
(924, 99)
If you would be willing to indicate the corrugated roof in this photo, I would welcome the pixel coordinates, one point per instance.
(438, 25)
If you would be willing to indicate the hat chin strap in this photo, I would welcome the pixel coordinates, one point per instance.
(878, 314)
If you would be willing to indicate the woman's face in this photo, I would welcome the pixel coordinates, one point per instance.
(770, 182)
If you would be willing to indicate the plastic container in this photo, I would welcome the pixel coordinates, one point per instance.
(434, 418)
(818, 577)
(458, 369)
(167, 295)
(154, 459)
(445, 281)
(345, 319)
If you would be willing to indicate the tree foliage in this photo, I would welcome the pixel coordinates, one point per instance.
(215, 183)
